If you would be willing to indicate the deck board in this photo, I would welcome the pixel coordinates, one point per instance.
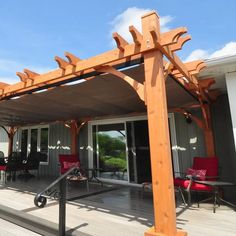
(125, 211)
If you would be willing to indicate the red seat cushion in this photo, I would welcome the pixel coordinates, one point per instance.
(3, 168)
(184, 183)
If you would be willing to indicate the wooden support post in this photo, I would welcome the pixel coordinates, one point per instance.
(10, 133)
(74, 137)
(162, 176)
(208, 132)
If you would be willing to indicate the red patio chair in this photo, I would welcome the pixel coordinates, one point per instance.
(67, 161)
(201, 165)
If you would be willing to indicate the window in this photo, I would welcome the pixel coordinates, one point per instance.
(35, 139)
(110, 151)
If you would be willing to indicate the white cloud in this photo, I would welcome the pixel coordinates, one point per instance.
(197, 54)
(132, 16)
(227, 50)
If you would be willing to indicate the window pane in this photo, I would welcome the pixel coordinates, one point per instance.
(24, 141)
(33, 140)
(44, 140)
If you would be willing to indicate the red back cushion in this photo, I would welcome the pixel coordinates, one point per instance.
(210, 164)
(200, 174)
(69, 165)
(67, 158)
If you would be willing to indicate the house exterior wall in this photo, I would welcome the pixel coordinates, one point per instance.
(83, 146)
(224, 138)
(190, 141)
(59, 143)
(231, 88)
(224, 142)
(3, 142)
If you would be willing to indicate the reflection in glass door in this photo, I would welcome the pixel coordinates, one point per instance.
(24, 142)
(109, 144)
(33, 140)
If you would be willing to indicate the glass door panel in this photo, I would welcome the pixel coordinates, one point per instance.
(24, 142)
(44, 144)
(33, 140)
(138, 151)
(110, 151)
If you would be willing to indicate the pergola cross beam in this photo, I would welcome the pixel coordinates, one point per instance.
(167, 43)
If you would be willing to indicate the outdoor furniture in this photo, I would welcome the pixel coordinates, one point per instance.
(216, 185)
(1, 154)
(31, 163)
(68, 161)
(76, 176)
(204, 168)
(94, 175)
(11, 165)
(3, 163)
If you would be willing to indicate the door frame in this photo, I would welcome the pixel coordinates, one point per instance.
(124, 120)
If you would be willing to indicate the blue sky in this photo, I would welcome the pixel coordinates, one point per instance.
(33, 32)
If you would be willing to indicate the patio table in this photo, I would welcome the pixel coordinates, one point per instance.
(216, 185)
(94, 175)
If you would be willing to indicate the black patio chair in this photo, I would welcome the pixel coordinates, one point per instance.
(31, 163)
(11, 165)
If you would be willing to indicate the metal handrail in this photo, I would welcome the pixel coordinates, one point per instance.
(40, 199)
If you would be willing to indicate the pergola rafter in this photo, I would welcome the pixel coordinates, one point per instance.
(138, 87)
(149, 46)
(167, 43)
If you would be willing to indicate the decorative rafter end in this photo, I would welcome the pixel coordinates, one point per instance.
(30, 74)
(61, 62)
(120, 41)
(72, 58)
(23, 77)
(137, 36)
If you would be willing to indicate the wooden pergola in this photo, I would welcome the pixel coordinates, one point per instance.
(149, 47)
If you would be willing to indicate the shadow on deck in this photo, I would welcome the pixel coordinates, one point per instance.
(113, 209)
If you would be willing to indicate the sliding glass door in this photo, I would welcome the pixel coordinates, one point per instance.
(120, 149)
(109, 145)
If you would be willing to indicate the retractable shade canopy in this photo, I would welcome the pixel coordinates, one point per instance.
(103, 95)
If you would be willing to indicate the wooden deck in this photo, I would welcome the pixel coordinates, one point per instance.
(125, 211)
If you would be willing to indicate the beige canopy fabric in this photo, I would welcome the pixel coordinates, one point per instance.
(101, 96)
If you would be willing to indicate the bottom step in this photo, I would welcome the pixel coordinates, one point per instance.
(33, 223)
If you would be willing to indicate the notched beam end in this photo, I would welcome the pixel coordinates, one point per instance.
(23, 77)
(72, 58)
(172, 36)
(30, 74)
(120, 41)
(181, 41)
(200, 66)
(61, 62)
(137, 36)
(154, 35)
(179, 31)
